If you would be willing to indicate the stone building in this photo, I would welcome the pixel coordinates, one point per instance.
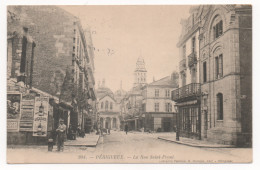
(157, 107)
(215, 94)
(133, 100)
(108, 108)
(63, 63)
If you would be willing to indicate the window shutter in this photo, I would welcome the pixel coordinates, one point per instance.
(214, 32)
(218, 107)
(216, 62)
(204, 72)
(217, 31)
(220, 65)
(220, 27)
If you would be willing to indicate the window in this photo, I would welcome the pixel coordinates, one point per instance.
(184, 51)
(106, 106)
(102, 105)
(204, 72)
(193, 75)
(156, 92)
(193, 45)
(168, 107)
(144, 107)
(111, 105)
(167, 93)
(220, 106)
(183, 77)
(218, 29)
(205, 101)
(219, 66)
(156, 107)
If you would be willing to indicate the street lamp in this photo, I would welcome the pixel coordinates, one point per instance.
(177, 123)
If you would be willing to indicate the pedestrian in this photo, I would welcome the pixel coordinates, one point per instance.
(61, 130)
(126, 128)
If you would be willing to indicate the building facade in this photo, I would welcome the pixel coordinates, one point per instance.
(61, 65)
(215, 94)
(108, 108)
(157, 107)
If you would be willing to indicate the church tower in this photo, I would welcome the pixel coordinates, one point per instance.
(140, 72)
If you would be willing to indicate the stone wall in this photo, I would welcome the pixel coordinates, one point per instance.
(236, 47)
(52, 29)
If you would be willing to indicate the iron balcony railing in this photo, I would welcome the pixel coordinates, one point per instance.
(182, 65)
(189, 90)
(192, 59)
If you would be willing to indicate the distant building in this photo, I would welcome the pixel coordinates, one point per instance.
(133, 100)
(215, 95)
(140, 72)
(157, 107)
(108, 108)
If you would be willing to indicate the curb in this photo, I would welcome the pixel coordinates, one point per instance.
(197, 146)
(79, 145)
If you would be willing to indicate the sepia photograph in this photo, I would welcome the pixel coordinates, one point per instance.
(137, 84)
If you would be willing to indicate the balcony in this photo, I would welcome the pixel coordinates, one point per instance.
(182, 65)
(192, 59)
(188, 91)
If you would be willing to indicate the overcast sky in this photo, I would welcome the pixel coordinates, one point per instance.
(122, 33)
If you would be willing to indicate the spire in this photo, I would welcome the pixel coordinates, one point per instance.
(121, 85)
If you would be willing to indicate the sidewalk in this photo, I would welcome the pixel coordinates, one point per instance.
(90, 140)
(193, 142)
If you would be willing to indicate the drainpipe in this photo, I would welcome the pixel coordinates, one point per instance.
(32, 62)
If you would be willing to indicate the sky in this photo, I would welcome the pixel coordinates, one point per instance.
(121, 34)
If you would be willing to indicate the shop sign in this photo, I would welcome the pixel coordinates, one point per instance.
(27, 115)
(13, 111)
(40, 121)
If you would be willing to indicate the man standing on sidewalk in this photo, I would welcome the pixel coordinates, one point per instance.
(126, 128)
(61, 130)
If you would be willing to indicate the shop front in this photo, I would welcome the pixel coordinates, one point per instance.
(189, 121)
(188, 104)
(160, 122)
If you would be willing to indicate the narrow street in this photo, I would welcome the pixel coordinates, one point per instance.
(133, 147)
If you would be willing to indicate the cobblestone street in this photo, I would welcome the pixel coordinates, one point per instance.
(133, 147)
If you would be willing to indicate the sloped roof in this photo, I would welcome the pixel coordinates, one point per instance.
(166, 81)
(108, 96)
